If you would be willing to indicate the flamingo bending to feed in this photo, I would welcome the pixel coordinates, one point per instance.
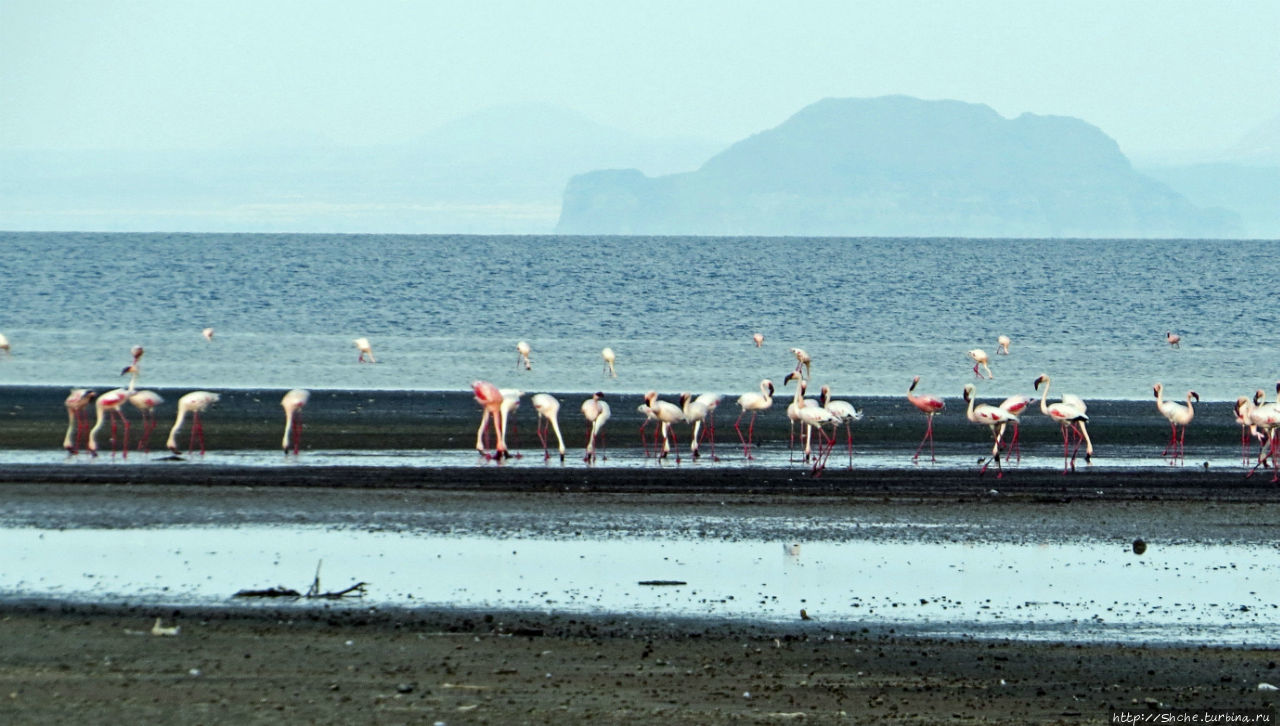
(1244, 405)
(931, 406)
(1177, 415)
(698, 412)
(817, 418)
(4, 344)
(77, 422)
(208, 334)
(667, 414)
(845, 412)
(803, 360)
(195, 403)
(146, 401)
(1173, 339)
(755, 403)
(609, 358)
(490, 399)
(994, 418)
(1015, 405)
(362, 344)
(524, 350)
(510, 402)
(596, 411)
(1003, 343)
(548, 406)
(293, 403)
(758, 338)
(1070, 413)
(111, 405)
(980, 358)
(1264, 419)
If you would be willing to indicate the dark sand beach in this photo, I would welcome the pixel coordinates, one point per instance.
(98, 663)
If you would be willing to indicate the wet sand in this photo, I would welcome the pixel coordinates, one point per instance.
(262, 664)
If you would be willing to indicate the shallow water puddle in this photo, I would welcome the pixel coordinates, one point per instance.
(1092, 591)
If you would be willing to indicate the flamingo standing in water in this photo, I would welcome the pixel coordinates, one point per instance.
(146, 401)
(548, 406)
(362, 345)
(930, 405)
(798, 402)
(755, 403)
(845, 412)
(1242, 410)
(697, 412)
(293, 403)
(524, 350)
(758, 338)
(4, 344)
(994, 418)
(1177, 415)
(817, 418)
(1015, 405)
(596, 410)
(195, 403)
(1264, 419)
(490, 399)
(77, 422)
(111, 405)
(510, 402)
(208, 334)
(1071, 415)
(667, 414)
(1173, 339)
(609, 358)
(1003, 343)
(980, 358)
(803, 360)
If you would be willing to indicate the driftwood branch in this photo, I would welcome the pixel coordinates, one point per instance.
(357, 590)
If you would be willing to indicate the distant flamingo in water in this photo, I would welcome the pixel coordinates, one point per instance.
(362, 345)
(525, 351)
(4, 344)
(208, 334)
(758, 338)
(930, 406)
(146, 401)
(195, 403)
(1177, 415)
(490, 399)
(1173, 339)
(77, 422)
(596, 410)
(608, 355)
(803, 360)
(1072, 417)
(293, 403)
(1003, 343)
(993, 417)
(980, 358)
(548, 408)
(755, 403)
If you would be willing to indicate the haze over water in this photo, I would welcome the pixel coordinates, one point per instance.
(444, 310)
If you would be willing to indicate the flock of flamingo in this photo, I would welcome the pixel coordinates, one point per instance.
(821, 417)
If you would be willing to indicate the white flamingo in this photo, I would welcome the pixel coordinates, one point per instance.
(548, 407)
(362, 345)
(510, 402)
(77, 421)
(980, 358)
(1177, 415)
(1072, 417)
(208, 334)
(525, 351)
(293, 403)
(195, 403)
(609, 357)
(146, 401)
(111, 405)
(667, 414)
(803, 360)
(755, 403)
(697, 413)
(596, 411)
(993, 417)
(490, 399)
(1002, 344)
(845, 412)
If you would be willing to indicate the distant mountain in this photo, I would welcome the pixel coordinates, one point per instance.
(500, 170)
(898, 166)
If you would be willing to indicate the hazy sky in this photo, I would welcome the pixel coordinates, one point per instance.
(1155, 74)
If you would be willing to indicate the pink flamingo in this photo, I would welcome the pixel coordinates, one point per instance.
(993, 417)
(490, 399)
(758, 338)
(698, 412)
(798, 403)
(524, 350)
(548, 407)
(803, 360)
(362, 345)
(111, 405)
(1177, 415)
(596, 410)
(1242, 409)
(146, 401)
(1016, 405)
(1003, 343)
(931, 406)
(195, 403)
(609, 357)
(77, 422)
(1173, 339)
(755, 403)
(1070, 413)
(817, 418)
(208, 334)
(293, 403)
(1264, 419)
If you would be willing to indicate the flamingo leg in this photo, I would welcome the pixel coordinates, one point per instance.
(197, 429)
(297, 432)
(746, 443)
(848, 430)
(928, 436)
(710, 433)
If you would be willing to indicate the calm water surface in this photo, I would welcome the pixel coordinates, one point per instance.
(444, 310)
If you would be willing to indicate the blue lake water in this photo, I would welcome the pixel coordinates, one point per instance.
(444, 310)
